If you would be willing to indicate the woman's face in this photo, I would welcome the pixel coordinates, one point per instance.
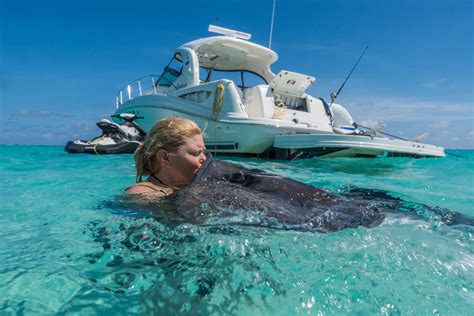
(187, 160)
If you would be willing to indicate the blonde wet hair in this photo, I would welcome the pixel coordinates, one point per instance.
(168, 134)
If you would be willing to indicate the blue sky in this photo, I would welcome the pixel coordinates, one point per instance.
(62, 62)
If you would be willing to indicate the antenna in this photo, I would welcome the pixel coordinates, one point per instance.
(271, 25)
(229, 32)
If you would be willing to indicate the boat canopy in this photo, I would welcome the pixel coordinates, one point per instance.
(231, 54)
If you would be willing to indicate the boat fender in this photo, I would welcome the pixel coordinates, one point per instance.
(218, 99)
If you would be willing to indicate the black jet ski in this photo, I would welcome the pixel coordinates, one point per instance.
(123, 138)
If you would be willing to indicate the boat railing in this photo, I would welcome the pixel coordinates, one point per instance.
(137, 88)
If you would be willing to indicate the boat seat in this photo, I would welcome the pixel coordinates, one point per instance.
(259, 101)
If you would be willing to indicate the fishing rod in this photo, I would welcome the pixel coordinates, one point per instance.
(335, 94)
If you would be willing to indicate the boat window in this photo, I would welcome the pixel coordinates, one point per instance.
(204, 74)
(196, 96)
(171, 72)
(242, 78)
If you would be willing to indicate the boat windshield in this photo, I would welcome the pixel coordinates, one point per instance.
(242, 78)
(171, 72)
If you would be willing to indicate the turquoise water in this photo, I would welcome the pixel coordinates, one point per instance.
(64, 250)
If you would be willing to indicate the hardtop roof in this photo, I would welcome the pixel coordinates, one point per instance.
(228, 53)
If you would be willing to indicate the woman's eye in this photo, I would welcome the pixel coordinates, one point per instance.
(197, 153)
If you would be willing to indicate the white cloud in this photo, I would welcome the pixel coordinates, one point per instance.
(435, 84)
(442, 124)
(396, 109)
(442, 119)
(369, 123)
(27, 113)
(84, 127)
(47, 135)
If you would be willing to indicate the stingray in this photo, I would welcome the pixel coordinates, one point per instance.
(224, 192)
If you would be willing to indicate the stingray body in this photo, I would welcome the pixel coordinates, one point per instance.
(223, 190)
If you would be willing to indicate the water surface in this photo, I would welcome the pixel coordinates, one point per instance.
(64, 249)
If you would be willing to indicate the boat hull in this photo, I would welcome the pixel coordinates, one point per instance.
(337, 145)
(235, 133)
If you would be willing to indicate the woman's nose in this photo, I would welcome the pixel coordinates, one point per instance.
(202, 158)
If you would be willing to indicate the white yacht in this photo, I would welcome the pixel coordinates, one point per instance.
(224, 83)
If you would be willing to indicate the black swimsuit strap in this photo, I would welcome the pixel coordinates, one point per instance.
(158, 179)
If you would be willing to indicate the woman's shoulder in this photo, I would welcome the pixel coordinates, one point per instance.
(148, 188)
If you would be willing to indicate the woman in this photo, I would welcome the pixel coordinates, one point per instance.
(171, 155)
